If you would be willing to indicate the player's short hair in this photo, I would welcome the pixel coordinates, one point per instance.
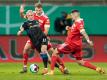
(38, 5)
(73, 11)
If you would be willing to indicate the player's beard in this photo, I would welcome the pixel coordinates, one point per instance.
(39, 14)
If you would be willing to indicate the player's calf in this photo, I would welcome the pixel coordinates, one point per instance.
(25, 57)
(86, 64)
(91, 66)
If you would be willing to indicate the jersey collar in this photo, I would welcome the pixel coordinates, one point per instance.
(41, 14)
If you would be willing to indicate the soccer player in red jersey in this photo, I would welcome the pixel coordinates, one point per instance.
(44, 25)
(73, 45)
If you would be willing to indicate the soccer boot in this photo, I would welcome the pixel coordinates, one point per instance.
(24, 70)
(64, 71)
(100, 70)
(50, 73)
(45, 71)
(61, 69)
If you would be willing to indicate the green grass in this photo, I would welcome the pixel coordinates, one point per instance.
(10, 71)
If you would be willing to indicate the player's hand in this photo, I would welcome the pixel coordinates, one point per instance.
(67, 27)
(19, 33)
(90, 43)
(22, 8)
(46, 33)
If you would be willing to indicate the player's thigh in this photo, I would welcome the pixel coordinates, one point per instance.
(27, 47)
(44, 44)
(65, 48)
(43, 48)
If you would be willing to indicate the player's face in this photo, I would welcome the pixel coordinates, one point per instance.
(30, 16)
(38, 11)
(75, 15)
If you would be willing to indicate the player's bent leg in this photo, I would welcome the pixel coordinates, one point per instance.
(49, 58)
(27, 49)
(86, 64)
(50, 49)
(62, 67)
(59, 66)
(54, 59)
(63, 48)
(80, 61)
(91, 66)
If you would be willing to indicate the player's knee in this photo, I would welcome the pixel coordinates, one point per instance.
(26, 50)
(55, 52)
(44, 48)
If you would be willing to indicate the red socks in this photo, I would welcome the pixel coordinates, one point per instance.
(55, 59)
(25, 56)
(60, 61)
(89, 65)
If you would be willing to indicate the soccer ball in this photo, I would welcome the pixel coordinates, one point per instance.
(34, 68)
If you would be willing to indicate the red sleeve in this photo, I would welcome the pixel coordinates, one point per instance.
(80, 25)
(47, 21)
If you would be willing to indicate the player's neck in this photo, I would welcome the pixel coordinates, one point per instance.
(77, 18)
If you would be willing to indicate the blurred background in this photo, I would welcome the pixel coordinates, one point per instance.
(94, 13)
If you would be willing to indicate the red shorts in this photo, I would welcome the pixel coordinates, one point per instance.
(76, 51)
(29, 41)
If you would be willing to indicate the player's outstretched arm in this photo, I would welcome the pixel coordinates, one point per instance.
(20, 31)
(22, 11)
(47, 26)
(83, 32)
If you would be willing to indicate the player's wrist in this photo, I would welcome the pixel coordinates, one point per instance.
(20, 31)
(88, 40)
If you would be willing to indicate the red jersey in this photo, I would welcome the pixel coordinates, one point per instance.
(74, 36)
(43, 20)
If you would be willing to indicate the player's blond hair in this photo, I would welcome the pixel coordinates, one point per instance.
(29, 11)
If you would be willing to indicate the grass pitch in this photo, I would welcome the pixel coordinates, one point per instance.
(10, 71)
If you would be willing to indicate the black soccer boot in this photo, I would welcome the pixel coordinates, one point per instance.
(66, 71)
(24, 70)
